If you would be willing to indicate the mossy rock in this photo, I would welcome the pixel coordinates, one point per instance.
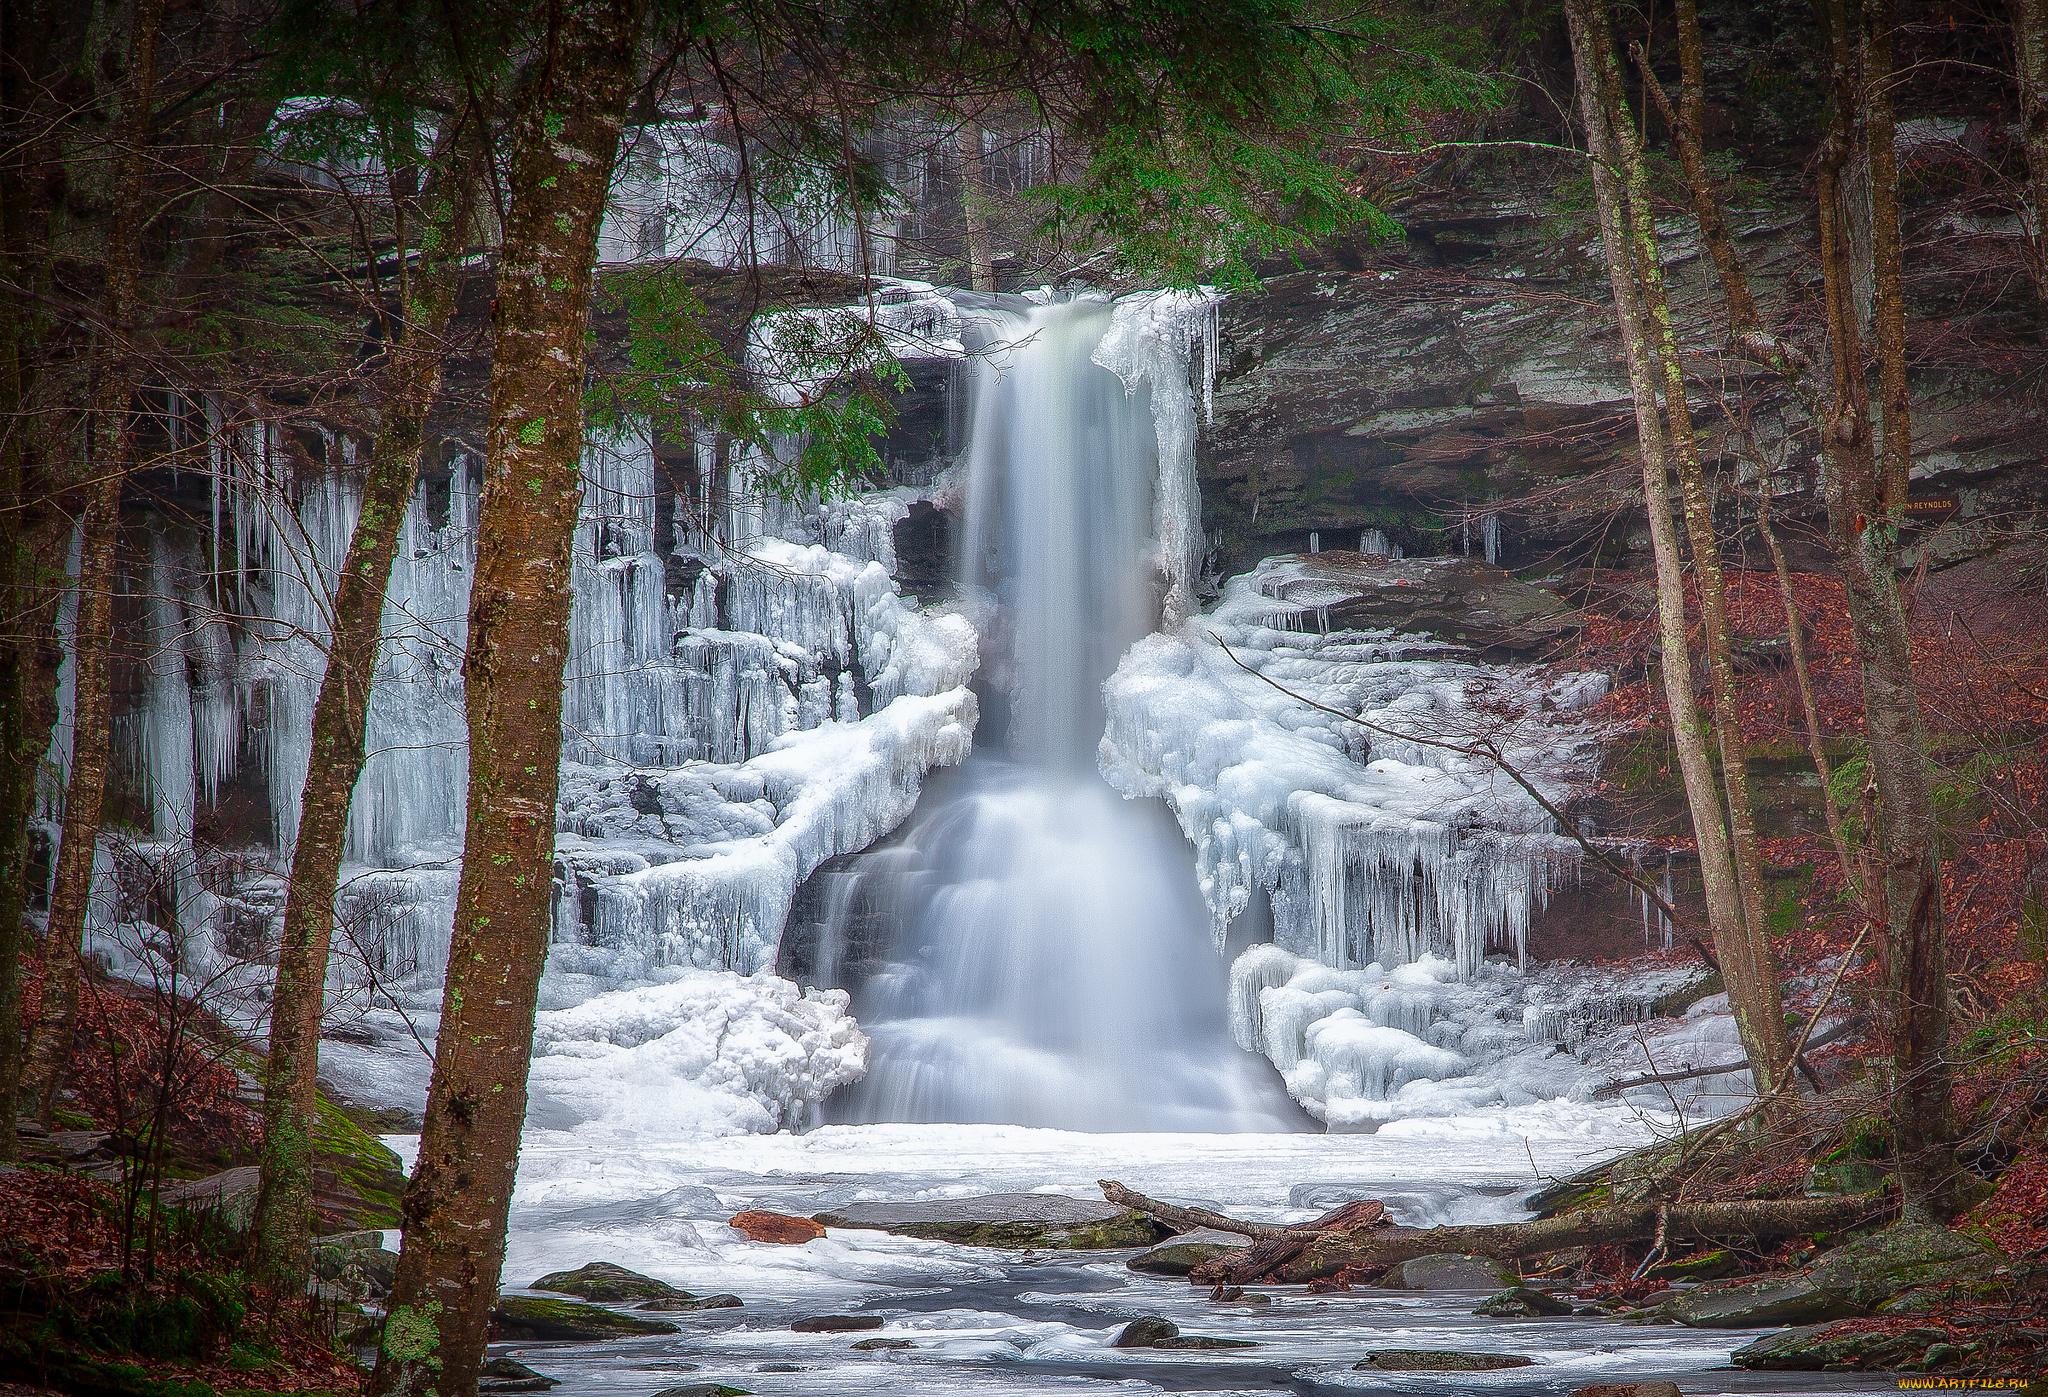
(1822, 1347)
(608, 1284)
(533, 1317)
(1418, 1360)
(1672, 1005)
(1905, 1256)
(1046, 1221)
(357, 1179)
(1707, 1266)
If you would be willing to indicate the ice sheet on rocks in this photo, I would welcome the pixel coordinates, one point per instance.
(708, 1053)
(696, 866)
(1359, 1048)
(1372, 844)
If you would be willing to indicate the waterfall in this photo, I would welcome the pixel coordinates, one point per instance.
(1049, 962)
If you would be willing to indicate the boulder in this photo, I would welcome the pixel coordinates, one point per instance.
(1814, 1347)
(1203, 1341)
(1851, 1280)
(1521, 1301)
(229, 1196)
(1906, 1256)
(779, 1228)
(1146, 1332)
(1184, 1253)
(1426, 1360)
(1756, 1304)
(872, 1345)
(1448, 1271)
(607, 1284)
(836, 1324)
(507, 1375)
(704, 1389)
(534, 1317)
(676, 1304)
(1629, 1389)
(1005, 1220)
(354, 1266)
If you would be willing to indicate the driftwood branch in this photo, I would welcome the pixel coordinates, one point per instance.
(1188, 1219)
(1370, 1246)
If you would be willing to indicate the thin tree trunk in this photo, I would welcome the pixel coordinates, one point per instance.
(981, 267)
(1866, 508)
(566, 138)
(49, 1048)
(1655, 372)
(2030, 44)
(406, 390)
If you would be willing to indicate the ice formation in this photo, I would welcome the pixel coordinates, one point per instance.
(1392, 856)
(705, 1053)
(789, 676)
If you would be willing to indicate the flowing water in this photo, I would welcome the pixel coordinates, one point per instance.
(1051, 963)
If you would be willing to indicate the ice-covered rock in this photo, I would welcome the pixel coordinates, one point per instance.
(707, 1053)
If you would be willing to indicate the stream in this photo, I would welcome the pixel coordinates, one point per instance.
(985, 1321)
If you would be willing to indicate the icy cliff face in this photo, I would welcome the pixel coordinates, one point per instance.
(778, 693)
(1398, 862)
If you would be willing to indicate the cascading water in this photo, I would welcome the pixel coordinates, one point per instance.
(1051, 965)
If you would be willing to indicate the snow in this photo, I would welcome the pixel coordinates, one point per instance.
(708, 1053)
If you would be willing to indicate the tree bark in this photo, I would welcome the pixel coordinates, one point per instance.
(406, 389)
(981, 267)
(1866, 498)
(1722, 825)
(566, 139)
(112, 446)
(2030, 44)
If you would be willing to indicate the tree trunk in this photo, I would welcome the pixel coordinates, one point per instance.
(2030, 44)
(1866, 507)
(981, 267)
(566, 138)
(49, 1048)
(1724, 833)
(1371, 1244)
(406, 390)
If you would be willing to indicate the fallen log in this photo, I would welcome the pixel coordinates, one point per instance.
(1185, 1219)
(1363, 1247)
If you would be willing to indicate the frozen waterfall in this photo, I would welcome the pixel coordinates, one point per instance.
(1048, 964)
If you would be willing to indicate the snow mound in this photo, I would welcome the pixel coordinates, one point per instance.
(708, 1053)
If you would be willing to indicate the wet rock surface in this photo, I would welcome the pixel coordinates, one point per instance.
(1463, 601)
(836, 1324)
(1417, 1360)
(506, 1375)
(1184, 1253)
(1004, 1220)
(779, 1228)
(1448, 1272)
(1521, 1301)
(1818, 1347)
(606, 1284)
(533, 1317)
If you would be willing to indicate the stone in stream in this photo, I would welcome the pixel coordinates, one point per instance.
(872, 1345)
(836, 1324)
(779, 1228)
(1146, 1332)
(533, 1317)
(676, 1304)
(1005, 1220)
(1448, 1271)
(1184, 1253)
(1520, 1301)
(509, 1375)
(1629, 1389)
(607, 1284)
(704, 1389)
(1428, 1360)
(1204, 1341)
